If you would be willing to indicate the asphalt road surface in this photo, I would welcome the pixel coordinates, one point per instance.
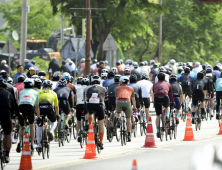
(171, 154)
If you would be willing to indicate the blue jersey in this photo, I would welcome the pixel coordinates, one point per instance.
(107, 82)
(193, 75)
(217, 73)
(27, 66)
(219, 84)
(178, 76)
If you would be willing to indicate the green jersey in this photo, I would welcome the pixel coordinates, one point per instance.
(28, 96)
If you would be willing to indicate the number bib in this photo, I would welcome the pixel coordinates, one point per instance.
(94, 98)
(26, 99)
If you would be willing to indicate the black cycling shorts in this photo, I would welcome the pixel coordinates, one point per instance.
(96, 108)
(112, 103)
(64, 106)
(28, 111)
(5, 118)
(79, 109)
(197, 95)
(187, 90)
(166, 103)
(48, 110)
(146, 102)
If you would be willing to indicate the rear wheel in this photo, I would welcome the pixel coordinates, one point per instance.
(74, 128)
(69, 134)
(135, 128)
(161, 128)
(2, 163)
(48, 150)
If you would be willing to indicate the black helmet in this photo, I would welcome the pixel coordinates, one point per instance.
(29, 83)
(180, 70)
(142, 63)
(38, 83)
(146, 63)
(155, 65)
(3, 82)
(135, 65)
(4, 74)
(130, 62)
(62, 82)
(190, 66)
(162, 70)
(21, 79)
(187, 70)
(216, 67)
(204, 66)
(145, 77)
(118, 63)
(42, 73)
(200, 75)
(133, 78)
(111, 73)
(79, 80)
(33, 61)
(94, 61)
(161, 76)
(104, 71)
(173, 77)
(101, 62)
(55, 77)
(47, 83)
(117, 77)
(35, 77)
(85, 81)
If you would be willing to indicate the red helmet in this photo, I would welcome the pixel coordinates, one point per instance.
(127, 71)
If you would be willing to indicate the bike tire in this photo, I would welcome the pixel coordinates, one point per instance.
(74, 128)
(121, 134)
(161, 128)
(82, 141)
(59, 141)
(98, 149)
(170, 128)
(124, 133)
(69, 132)
(3, 163)
(44, 138)
(48, 151)
(175, 131)
(135, 128)
(184, 115)
(117, 130)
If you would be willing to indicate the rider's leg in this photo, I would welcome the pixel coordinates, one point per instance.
(202, 107)
(129, 124)
(211, 105)
(7, 143)
(32, 133)
(21, 132)
(147, 114)
(157, 123)
(101, 130)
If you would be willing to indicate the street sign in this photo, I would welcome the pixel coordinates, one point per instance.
(75, 43)
(9, 47)
(109, 44)
(84, 28)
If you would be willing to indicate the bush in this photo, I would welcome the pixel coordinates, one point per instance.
(42, 64)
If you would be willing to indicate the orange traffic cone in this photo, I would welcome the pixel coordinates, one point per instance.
(134, 167)
(189, 130)
(220, 129)
(26, 162)
(149, 141)
(90, 152)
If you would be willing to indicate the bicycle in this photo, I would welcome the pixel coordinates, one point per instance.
(44, 140)
(123, 129)
(142, 121)
(198, 116)
(134, 121)
(163, 124)
(207, 106)
(74, 125)
(2, 149)
(83, 133)
(173, 125)
(16, 129)
(61, 129)
(185, 107)
(111, 129)
(96, 133)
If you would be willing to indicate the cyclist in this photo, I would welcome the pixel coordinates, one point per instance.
(47, 101)
(161, 91)
(136, 71)
(197, 68)
(38, 85)
(154, 72)
(216, 71)
(101, 67)
(80, 106)
(95, 71)
(211, 86)
(218, 95)
(146, 90)
(180, 66)
(143, 68)
(177, 95)
(41, 73)
(172, 65)
(124, 94)
(186, 81)
(106, 65)
(104, 77)
(64, 95)
(10, 81)
(71, 86)
(199, 85)
(28, 98)
(55, 79)
(127, 72)
(119, 68)
(95, 99)
(79, 82)
(180, 70)
(191, 72)
(6, 108)
(148, 67)
(110, 79)
(162, 70)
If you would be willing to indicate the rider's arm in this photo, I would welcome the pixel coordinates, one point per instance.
(181, 94)
(12, 105)
(57, 110)
(170, 93)
(151, 76)
(133, 99)
(37, 110)
(70, 99)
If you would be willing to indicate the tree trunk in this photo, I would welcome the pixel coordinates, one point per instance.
(95, 46)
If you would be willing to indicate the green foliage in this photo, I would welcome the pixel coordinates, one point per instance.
(42, 64)
(41, 22)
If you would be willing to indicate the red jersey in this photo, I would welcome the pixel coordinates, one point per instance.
(19, 87)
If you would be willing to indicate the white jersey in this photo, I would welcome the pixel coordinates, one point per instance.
(146, 88)
(197, 69)
(80, 94)
(84, 93)
(54, 85)
(167, 77)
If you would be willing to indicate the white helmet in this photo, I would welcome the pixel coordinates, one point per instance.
(104, 75)
(82, 60)
(26, 60)
(95, 79)
(124, 79)
(152, 62)
(10, 80)
(47, 83)
(104, 71)
(172, 61)
(68, 60)
(35, 77)
(197, 64)
(53, 57)
(114, 69)
(3, 62)
(28, 83)
(66, 74)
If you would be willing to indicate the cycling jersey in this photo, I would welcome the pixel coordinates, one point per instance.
(6, 101)
(124, 92)
(154, 72)
(193, 75)
(107, 82)
(126, 75)
(137, 72)
(64, 93)
(144, 70)
(72, 87)
(178, 76)
(197, 69)
(19, 86)
(180, 67)
(85, 93)
(79, 94)
(161, 89)
(146, 88)
(36, 89)
(186, 82)
(219, 84)
(112, 89)
(48, 96)
(96, 94)
(176, 89)
(137, 89)
(54, 84)
(200, 84)
(28, 97)
(174, 68)
(217, 73)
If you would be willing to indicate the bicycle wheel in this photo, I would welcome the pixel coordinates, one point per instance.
(144, 127)
(74, 128)
(135, 128)
(208, 110)
(161, 128)
(48, 150)
(166, 131)
(124, 134)
(170, 124)
(82, 140)
(44, 139)
(121, 133)
(3, 163)
(59, 141)
(175, 131)
(117, 133)
(184, 115)
(98, 148)
(69, 133)
(141, 123)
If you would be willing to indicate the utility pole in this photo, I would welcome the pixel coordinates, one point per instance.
(62, 30)
(160, 37)
(88, 41)
(23, 42)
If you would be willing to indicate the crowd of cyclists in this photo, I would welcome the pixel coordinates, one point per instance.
(126, 88)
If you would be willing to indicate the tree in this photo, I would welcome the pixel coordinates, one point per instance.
(41, 22)
(123, 19)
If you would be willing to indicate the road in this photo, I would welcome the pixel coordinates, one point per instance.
(173, 154)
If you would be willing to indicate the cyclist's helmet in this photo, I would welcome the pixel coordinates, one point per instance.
(9, 80)
(173, 77)
(209, 69)
(95, 79)
(47, 83)
(204, 66)
(146, 63)
(114, 69)
(85, 81)
(79, 80)
(142, 63)
(190, 66)
(187, 70)
(169, 71)
(118, 63)
(94, 61)
(56, 77)
(161, 76)
(104, 75)
(127, 71)
(101, 62)
(117, 77)
(130, 62)
(35, 77)
(200, 75)
(21, 79)
(133, 78)
(4, 74)
(62, 82)
(162, 70)
(172, 61)
(152, 62)
(180, 70)
(29, 83)
(145, 77)
(121, 61)
(3, 82)
(41, 73)
(197, 64)
(135, 65)
(38, 83)
(124, 79)
(216, 67)
(111, 73)
(155, 65)
(82, 60)
(33, 61)
(42, 78)
(106, 62)
(104, 71)
(67, 77)
(180, 64)
(72, 78)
